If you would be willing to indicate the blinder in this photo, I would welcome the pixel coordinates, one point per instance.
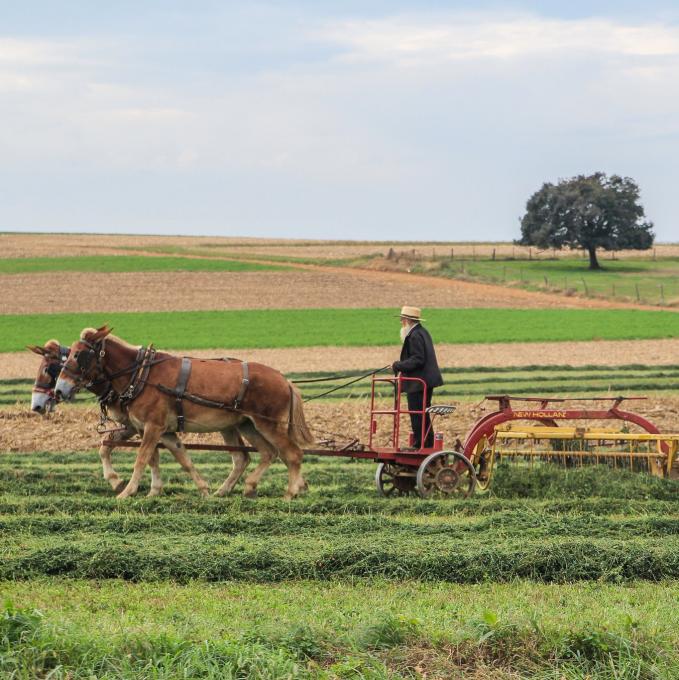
(84, 358)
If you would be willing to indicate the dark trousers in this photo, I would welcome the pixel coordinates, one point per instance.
(415, 400)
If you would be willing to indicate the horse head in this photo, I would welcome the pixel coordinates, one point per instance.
(43, 399)
(84, 362)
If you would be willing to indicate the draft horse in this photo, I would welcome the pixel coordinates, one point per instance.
(160, 395)
(43, 400)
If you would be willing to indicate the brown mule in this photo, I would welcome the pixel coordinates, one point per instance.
(43, 401)
(269, 414)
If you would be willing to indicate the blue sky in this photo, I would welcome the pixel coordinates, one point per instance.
(366, 120)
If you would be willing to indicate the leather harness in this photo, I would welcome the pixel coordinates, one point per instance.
(179, 392)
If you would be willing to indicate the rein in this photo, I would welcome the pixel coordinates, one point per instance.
(339, 387)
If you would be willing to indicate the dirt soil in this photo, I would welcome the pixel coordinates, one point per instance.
(300, 360)
(306, 286)
(182, 291)
(74, 429)
(56, 245)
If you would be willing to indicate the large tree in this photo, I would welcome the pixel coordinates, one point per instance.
(587, 211)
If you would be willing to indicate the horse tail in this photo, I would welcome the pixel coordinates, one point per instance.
(298, 430)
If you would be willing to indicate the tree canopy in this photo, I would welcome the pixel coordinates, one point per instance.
(587, 211)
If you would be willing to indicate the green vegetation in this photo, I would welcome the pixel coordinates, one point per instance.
(190, 587)
(345, 327)
(126, 263)
(468, 382)
(646, 280)
(374, 629)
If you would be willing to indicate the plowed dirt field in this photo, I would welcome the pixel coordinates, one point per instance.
(74, 428)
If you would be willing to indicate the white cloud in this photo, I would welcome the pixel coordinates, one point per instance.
(415, 40)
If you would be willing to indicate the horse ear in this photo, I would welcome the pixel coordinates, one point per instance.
(101, 332)
(37, 349)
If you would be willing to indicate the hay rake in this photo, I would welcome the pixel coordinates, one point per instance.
(538, 437)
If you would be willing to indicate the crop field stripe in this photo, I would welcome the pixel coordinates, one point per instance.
(127, 263)
(338, 327)
(460, 383)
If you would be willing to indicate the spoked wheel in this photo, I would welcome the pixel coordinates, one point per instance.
(446, 474)
(483, 461)
(394, 480)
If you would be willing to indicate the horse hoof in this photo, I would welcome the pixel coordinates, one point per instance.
(120, 486)
(288, 497)
(122, 496)
(152, 493)
(205, 492)
(252, 493)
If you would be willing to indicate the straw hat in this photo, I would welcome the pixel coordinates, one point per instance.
(413, 313)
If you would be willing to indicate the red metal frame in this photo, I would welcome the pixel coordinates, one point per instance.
(397, 411)
(485, 427)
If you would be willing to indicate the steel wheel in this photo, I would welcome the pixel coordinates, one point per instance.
(394, 480)
(446, 474)
(483, 461)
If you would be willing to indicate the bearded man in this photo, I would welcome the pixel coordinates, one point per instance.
(418, 360)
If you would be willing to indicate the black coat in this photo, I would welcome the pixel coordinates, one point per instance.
(418, 360)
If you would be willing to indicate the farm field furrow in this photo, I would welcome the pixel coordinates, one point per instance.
(186, 291)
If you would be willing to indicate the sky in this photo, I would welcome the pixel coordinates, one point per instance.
(368, 120)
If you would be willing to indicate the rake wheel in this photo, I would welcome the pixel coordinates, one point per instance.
(483, 460)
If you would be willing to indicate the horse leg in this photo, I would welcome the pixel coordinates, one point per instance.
(267, 455)
(149, 442)
(110, 475)
(240, 459)
(176, 446)
(156, 481)
(290, 453)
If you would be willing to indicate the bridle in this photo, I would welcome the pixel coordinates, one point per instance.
(100, 380)
(54, 367)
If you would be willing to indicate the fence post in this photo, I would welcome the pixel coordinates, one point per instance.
(584, 283)
(662, 294)
(636, 286)
(493, 254)
(546, 281)
(452, 253)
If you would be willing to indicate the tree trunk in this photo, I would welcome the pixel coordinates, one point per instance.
(593, 262)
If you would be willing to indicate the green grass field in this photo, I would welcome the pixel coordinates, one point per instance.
(126, 263)
(645, 280)
(343, 327)
(557, 574)
(471, 382)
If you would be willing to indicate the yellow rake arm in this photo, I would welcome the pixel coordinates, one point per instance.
(577, 446)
